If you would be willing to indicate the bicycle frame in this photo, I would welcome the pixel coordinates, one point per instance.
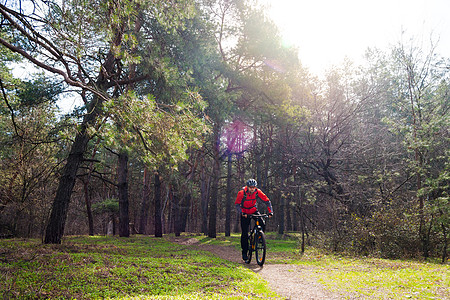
(259, 223)
(257, 240)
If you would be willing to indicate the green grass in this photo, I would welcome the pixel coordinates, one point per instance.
(383, 279)
(150, 268)
(121, 268)
(372, 278)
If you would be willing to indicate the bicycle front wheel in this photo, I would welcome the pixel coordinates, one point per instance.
(260, 248)
(250, 247)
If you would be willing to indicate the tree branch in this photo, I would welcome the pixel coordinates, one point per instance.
(10, 109)
(44, 66)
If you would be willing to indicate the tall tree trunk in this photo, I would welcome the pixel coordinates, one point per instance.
(268, 152)
(258, 159)
(296, 204)
(58, 216)
(280, 212)
(122, 173)
(204, 192)
(228, 200)
(193, 220)
(87, 200)
(288, 210)
(299, 211)
(185, 212)
(158, 218)
(143, 220)
(240, 166)
(282, 206)
(176, 213)
(417, 123)
(424, 237)
(445, 242)
(214, 192)
(60, 206)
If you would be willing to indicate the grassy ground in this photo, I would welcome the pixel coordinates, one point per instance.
(370, 277)
(124, 268)
(149, 268)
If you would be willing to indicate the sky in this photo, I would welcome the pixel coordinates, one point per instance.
(327, 31)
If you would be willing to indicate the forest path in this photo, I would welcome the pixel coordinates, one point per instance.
(289, 281)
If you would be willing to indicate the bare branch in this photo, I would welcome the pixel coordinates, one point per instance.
(10, 109)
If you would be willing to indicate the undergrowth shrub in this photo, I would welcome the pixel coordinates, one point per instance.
(392, 232)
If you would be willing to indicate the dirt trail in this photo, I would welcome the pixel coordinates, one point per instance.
(289, 281)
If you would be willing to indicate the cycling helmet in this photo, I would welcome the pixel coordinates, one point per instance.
(252, 182)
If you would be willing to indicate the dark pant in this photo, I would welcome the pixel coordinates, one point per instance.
(245, 227)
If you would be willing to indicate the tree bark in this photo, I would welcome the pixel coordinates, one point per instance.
(158, 213)
(60, 206)
(282, 206)
(87, 197)
(204, 192)
(228, 200)
(280, 213)
(212, 230)
(122, 174)
(58, 216)
(88, 208)
(145, 207)
(185, 212)
(176, 213)
(445, 244)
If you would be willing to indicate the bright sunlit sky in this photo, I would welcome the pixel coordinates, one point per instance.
(327, 31)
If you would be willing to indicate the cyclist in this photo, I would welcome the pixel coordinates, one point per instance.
(245, 206)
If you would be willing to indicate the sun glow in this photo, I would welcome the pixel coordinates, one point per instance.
(327, 31)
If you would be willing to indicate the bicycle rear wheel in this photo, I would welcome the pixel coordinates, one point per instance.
(260, 248)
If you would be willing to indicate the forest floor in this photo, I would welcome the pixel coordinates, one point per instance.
(287, 280)
(197, 267)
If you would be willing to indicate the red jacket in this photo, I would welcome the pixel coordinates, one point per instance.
(246, 203)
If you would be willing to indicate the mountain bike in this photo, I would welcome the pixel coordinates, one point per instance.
(257, 239)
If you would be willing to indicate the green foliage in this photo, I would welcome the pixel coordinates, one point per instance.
(110, 205)
(100, 267)
(31, 146)
(260, 37)
(159, 133)
(361, 147)
(6, 55)
(389, 233)
(40, 90)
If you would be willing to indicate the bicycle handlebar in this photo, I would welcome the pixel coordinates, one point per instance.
(258, 215)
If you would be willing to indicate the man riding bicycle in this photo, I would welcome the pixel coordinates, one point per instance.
(245, 206)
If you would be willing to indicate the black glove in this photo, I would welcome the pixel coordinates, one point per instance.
(271, 214)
